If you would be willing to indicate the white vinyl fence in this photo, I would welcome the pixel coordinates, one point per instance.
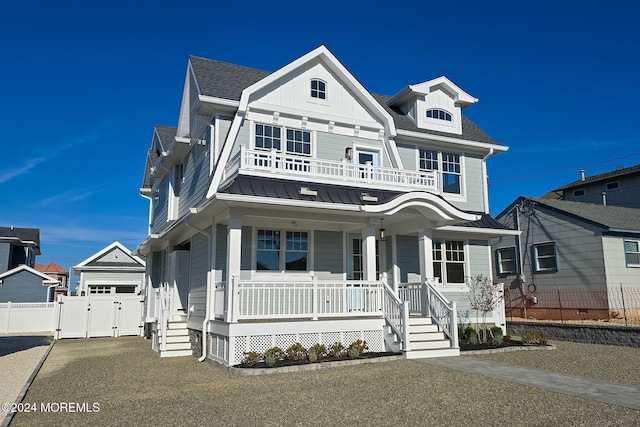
(76, 317)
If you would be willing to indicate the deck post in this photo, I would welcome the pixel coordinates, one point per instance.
(315, 301)
(425, 249)
(234, 254)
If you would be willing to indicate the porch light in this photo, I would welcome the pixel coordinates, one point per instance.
(382, 231)
(348, 153)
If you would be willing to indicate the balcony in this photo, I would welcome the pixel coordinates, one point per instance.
(274, 164)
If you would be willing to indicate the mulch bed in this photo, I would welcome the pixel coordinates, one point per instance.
(465, 346)
(289, 362)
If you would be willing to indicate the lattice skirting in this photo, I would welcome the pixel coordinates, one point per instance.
(230, 350)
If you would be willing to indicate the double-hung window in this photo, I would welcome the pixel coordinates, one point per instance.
(449, 268)
(271, 255)
(448, 163)
(507, 261)
(267, 137)
(632, 253)
(545, 257)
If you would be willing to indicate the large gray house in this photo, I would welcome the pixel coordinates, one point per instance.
(571, 252)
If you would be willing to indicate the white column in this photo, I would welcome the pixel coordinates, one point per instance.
(425, 248)
(234, 254)
(369, 252)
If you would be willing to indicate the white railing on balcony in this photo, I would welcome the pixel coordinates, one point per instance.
(270, 163)
(281, 300)
(443, 312)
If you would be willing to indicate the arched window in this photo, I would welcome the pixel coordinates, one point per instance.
(318, 89)
(435, 113)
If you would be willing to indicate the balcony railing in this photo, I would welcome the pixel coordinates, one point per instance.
(275, 164)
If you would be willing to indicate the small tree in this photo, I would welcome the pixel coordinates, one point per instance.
(484, 296)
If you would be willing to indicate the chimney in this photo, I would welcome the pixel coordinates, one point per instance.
(604, 198)
(582, 175)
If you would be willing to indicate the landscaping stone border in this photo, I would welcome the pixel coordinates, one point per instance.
(511, 348)
(306, 367)
(628, 336)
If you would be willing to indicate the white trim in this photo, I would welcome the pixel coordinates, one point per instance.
(490, 232)
(218, 101)
(45, 278)
(450, 140)
(97, 255)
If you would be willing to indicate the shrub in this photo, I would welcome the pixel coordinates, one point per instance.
(319, 349)
(251, 358)
(313, 356)
(534, 337)
(274, 352)
(269, 360)
(296, 352)
(336, 349)
(359, 347)
(354, 352)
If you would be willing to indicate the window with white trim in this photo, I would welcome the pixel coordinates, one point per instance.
(267, 137)
(545, 257)
(507, 260)
(632, 253)
(448, 163)
(100, 289)
(271, 255)
(612, 185)
(318, 89)
(299, 142)
(451, 268)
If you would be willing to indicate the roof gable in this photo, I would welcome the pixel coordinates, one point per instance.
(46, 280)
(114, 255)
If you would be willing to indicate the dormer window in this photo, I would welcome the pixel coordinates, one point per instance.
(318, 89)
(436, 113)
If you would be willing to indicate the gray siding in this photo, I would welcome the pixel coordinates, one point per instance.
(5, 252)
(474, 184)
(330, 146)
(224, 124)
(243, 138)
(160, 206)
(408, 156)
(580, 257)
(627, 195)
(479, 258)
(195, 183)
(23, 287)
(328, 255)
(408, 258)
(199, 266)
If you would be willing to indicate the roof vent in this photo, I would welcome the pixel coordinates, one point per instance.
(306, 191)
(582, 175)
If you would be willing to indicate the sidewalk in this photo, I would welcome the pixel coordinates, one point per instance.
(588, 388)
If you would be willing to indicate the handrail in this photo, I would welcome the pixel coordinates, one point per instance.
(164, 317)
(311, 169)
(443, 312)
(396, 313)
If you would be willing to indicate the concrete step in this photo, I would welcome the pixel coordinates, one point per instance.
(440, 352)
(176, 353)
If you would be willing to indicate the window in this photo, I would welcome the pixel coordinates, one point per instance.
(613, 185)
(507, 261)
(545, 257)
(267, 137)
(428, 160)
(100, 289)
(451, 173)
(270, 251)
(632, 253)
(451, 268)
(578, 193)
(299, 142)
(318, 89)
(436, 113)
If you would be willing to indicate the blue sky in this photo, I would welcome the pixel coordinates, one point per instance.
(82, 84)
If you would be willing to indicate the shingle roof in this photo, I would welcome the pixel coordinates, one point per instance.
(601, 177)
(166, 135)
(23, 235)
(223, 80)
(610, 217)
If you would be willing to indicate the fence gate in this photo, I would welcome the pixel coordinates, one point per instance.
(99, 316)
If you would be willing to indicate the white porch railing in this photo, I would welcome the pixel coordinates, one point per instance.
(270, 163)
(219, 300)
(396, 313)
(443, 312)
(411, 293)
(281, 300)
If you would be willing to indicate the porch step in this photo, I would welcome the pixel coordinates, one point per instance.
(426, 340)
(178, 342)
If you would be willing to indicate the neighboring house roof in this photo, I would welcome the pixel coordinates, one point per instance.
(612, 218)
(52, 267)
(23, 236)
(100, 260)
(602, 177)
(46, 280)
(227, 81)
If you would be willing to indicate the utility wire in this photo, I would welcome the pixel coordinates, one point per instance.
(523, 178)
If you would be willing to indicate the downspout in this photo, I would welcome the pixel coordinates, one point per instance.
(486, 180)
(207, 305)
(150, 199)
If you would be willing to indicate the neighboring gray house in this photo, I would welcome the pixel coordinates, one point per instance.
(25, 284)
(18, 246)
(113, 270)
(620, 187)
(566, 247)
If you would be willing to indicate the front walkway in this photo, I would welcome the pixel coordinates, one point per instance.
(588, 388)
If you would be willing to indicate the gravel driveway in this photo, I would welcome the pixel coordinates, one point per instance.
(132, 386)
